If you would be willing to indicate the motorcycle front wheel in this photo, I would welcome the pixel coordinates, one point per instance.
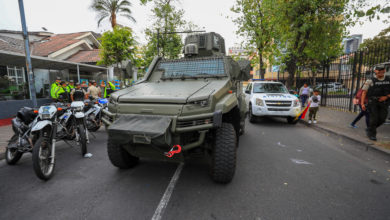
(43, 162)
(83, 138)
(12, 155)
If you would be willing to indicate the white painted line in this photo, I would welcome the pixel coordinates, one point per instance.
(300, 162)
(167, 195)
(282, 145)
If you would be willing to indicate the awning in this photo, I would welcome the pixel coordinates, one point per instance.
(17, 59)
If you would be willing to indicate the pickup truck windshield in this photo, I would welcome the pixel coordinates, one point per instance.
(193, 68)
(269, 88)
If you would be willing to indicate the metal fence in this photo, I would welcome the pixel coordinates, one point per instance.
(339, 79)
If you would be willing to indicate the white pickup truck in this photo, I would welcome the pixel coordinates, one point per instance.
(271, 99)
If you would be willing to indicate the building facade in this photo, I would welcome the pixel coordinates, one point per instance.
(71, 56)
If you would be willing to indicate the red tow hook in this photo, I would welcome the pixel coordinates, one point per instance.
(173, 151)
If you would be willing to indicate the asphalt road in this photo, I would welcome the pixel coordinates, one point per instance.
(283, 172)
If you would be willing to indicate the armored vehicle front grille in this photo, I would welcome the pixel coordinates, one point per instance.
(184, 124)
(275, 103)
(278, 109)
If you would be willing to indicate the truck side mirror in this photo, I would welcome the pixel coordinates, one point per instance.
(247, 92)
(245, 69)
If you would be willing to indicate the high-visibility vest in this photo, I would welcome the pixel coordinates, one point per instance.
(59, 91)
(111, 85)
(69, 88)
(53, 90)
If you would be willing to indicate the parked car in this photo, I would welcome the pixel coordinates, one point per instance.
(271, 99)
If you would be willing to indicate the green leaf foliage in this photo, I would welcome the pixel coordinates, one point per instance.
(118, 45)
(256, 24)
(167, 19)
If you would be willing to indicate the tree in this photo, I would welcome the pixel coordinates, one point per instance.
(168, 19)
(311, 30)
(255, 23)
(110, 9)
(117, 46)
(383, 38)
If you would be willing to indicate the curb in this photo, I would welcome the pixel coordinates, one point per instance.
(368, 144)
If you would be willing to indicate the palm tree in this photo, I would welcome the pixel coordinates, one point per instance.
(111, 9)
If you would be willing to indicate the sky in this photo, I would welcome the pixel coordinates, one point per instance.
(66, 16)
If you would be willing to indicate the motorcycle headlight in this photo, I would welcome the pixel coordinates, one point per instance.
(259, 102)
(45, 116)
(78, 108)
(296, 103)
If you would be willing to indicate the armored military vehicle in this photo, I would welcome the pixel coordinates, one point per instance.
(193, 106)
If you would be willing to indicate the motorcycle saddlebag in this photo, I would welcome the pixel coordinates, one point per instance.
(26, 114)
(141, 129)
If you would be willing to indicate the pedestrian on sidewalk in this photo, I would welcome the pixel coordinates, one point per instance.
(377, 90)
(356, 101)
(304, 93)
(314, 103)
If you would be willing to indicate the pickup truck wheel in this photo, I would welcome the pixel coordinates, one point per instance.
(291, 120)
(252, 118)
(223, 163)
(119, 157)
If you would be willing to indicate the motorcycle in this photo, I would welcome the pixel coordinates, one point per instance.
(22, 141)
(56, 122)
(93, 113)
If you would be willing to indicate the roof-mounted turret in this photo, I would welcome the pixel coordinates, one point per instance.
(204, 44)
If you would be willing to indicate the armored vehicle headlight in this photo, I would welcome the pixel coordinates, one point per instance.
(202, 103)
(296, 103)
(259, 102)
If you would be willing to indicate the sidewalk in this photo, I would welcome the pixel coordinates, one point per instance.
(337, 122)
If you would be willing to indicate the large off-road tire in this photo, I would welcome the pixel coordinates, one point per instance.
(223, 163)
(83, 139)
(12, 155)
(252, 118)
(291, 120)
(42, 163)
(119, 157)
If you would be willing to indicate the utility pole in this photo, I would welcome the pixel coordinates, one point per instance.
(30, 74)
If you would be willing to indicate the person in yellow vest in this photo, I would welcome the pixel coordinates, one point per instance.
(54, 87)
(70, 86)
(61, 93)
(110, 88)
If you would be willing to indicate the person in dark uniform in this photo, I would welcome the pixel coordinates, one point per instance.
(377, 91)
(77, 94)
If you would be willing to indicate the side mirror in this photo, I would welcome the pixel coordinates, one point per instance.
(247, 92)
(245, 69)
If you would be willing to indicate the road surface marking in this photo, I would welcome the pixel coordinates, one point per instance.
(300, 161)
(282, 145)
(167, 195)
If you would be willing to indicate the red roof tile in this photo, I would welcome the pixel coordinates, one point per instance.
(54, 43)
(85, 56)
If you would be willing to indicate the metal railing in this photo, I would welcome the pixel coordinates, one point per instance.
(339, 79)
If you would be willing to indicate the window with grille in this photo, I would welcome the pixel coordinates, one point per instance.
(193, 67)
(16, 76)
